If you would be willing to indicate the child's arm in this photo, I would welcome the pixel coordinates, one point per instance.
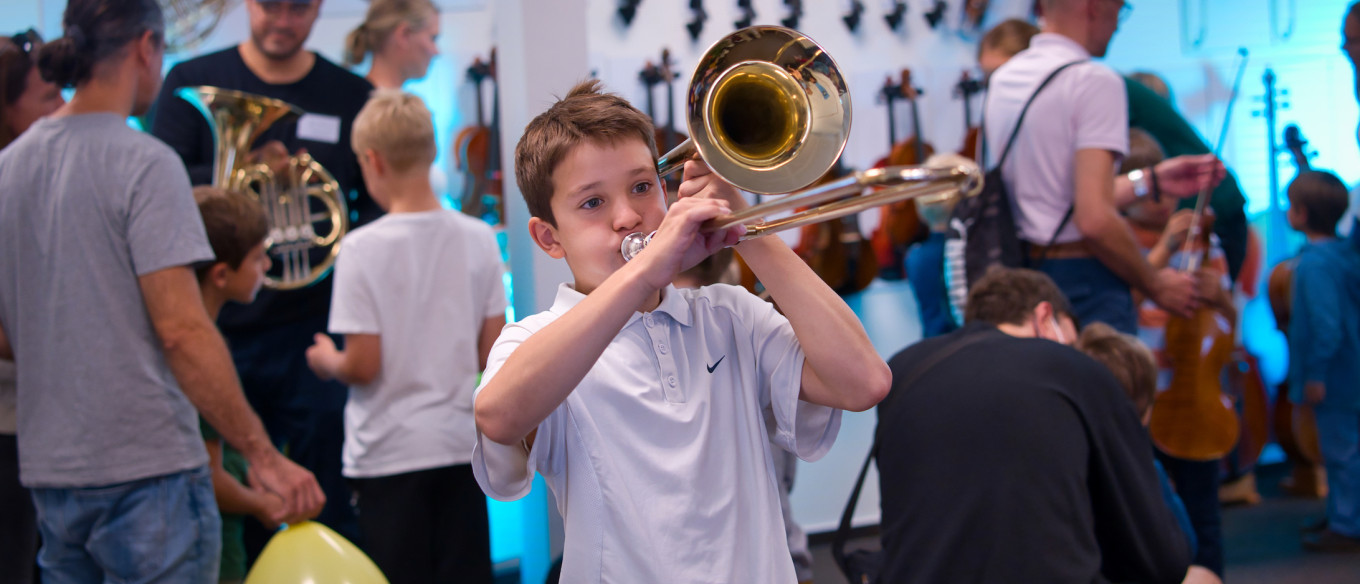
(547, 366)
(1317, 299)
(358, 364)
(1173, 235)
(842, 369)
(491, 328)
(236, 498)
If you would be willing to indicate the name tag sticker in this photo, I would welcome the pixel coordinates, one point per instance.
(319, 128)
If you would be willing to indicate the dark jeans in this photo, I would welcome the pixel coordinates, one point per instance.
(1096, 293)
(1197, 485)
(158, 529)
(303, 415)
(18, 523)
(426, 526)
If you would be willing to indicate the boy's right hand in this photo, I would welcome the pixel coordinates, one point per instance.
(272, 512)
(321, 356)
(680, 242)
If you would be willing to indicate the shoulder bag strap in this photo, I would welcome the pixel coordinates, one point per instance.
(843, 531)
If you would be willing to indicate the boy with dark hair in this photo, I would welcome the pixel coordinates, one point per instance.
(237, 230)
(643, 405)
(1324, 349)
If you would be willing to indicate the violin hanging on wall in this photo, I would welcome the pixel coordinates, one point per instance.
(965, 89)
(900, 224)
(627, 10)
(477, 151)
(667, 136)
(974, 12)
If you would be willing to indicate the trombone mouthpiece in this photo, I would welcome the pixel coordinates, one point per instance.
(633, 244)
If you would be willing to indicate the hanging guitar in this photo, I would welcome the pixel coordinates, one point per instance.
(1295, 426)
(477, 149)
(900, 223)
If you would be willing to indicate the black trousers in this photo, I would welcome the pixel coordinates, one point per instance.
(1197, 484)
(18, 521)
(426, 526)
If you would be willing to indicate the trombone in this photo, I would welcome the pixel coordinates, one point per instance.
(768, 110)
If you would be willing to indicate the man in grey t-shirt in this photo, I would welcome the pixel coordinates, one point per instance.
(100, 310)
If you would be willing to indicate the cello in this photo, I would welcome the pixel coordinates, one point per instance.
(1294, 425)
(477, 151)
(1192, 419)
(900, 224)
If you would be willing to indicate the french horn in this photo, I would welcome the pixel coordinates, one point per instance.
(304, 238)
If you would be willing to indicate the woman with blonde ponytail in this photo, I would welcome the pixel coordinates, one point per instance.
(400, 35)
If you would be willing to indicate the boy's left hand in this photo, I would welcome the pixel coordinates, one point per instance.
(322, 355)
(1314, 392)
(700, 181)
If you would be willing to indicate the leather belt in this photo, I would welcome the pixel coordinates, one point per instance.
(1059, 251)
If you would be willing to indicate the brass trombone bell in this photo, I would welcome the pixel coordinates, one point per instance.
(767, 109)
(847, 195)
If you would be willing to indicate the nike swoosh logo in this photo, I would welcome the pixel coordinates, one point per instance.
(715, 365)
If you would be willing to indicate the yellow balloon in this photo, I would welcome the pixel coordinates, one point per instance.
(310, 553)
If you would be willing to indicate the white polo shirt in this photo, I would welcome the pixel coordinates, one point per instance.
(660, 459)
(1085, 106)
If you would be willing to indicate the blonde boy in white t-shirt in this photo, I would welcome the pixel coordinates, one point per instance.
(419, 299)
(642, 405)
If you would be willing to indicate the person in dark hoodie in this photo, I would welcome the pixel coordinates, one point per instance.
(1324, 349)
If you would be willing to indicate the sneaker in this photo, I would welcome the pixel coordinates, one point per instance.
(1315, 526)
(1331, 541)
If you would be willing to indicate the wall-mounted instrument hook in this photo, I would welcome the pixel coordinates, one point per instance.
(936, 14)
(748, 14)
(795, 14)
(696, 24)
(627, 10)
(896, 15)
(851, 19)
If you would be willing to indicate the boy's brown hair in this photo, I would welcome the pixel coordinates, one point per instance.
(398, 126)
(1009, 295)
(1144, 151)
(586, 113)
(1009, 37)
(235, 224)
(1126, 357)
(1322, 196)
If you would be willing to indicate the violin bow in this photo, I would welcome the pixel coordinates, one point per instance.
(1193, 260)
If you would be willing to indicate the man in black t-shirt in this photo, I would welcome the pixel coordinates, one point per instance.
(304, 415)
(1015, 458)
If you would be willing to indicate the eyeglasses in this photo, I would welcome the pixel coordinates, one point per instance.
(26, 41)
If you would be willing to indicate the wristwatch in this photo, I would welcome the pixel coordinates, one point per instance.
(1141, 188)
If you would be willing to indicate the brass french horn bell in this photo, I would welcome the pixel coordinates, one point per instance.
(303, 243)
(768, 110)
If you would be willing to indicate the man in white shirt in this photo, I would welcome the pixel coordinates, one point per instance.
(1061, 172)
